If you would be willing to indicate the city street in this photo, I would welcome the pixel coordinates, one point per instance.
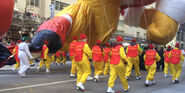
(58, 81)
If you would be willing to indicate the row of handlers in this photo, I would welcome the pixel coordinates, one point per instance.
(114, 61)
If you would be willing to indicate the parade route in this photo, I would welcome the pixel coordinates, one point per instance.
(58, 81)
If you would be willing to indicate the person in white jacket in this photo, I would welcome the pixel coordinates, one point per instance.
(24, 56)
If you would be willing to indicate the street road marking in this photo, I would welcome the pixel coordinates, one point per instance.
(39, 85)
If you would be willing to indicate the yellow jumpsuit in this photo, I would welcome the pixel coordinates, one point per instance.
(73, 66)
(107, 66)
(118, 70)
(83, 70)
(166, 66)
(151, 69)
(133, 61)
(177, 68)
(48, 60)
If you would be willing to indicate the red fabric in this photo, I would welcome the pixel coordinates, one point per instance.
(119, 38)
(115, 57)
(75, 37)
(151, 46)
(6, 11)
(10, 48)
(16, 53)
(98, 42)
(175, 56)
(150, 57)
(82, 36)
(97, 54)
(167, 58)
(177, 45)
(58, 54)
(43, 51)
(169, 47)
(133, 40)
(59, 25)
(79, 51)
(106, 54)
(132, 51)
(72, 48)
(64, 53)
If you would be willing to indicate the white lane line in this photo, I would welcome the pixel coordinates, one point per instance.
(39, 85)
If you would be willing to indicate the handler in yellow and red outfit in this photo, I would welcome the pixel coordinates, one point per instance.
(117, 66)
(106, 58)
(45, 59)
(58, 57)
(83, 52)
(133, 50)
(64, 57)
(72, 47)
(97, 56)
(176, 58)
(151, 57)
(167, 61)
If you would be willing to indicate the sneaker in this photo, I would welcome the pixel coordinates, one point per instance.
(176, 81)
(89, 78)
(173, 81)
(96, 80)
(32, 64)
(165, 75)
(153, 82)
(80, 86)
(138, 77)
(110, 90)
(13, 69)
(47, 71)
(72, 76)
(147, 83)
(127, 78)
(126, 90)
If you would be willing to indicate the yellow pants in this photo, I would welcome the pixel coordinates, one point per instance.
(120, 71)
(58, 59)
(83, 70)
(98, 68)
(176, 70)
(107, 68)
(47, 63)
(132, 61)
(73, 66)
(17, 65)
(64, 60)
(151, 71)
(166, 67)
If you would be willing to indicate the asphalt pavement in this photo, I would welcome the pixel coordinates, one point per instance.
(58, 81)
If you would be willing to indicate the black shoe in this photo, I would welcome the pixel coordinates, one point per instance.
(96, 80)
(147, 85)
(176, 81)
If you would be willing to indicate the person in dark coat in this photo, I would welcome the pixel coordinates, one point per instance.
(161, 62)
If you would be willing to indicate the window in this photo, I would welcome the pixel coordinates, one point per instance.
(34, 3)
(15, 1)
(182, 37)
(59, 5)
(137, 34)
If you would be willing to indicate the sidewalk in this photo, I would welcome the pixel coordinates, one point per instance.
(53, 65)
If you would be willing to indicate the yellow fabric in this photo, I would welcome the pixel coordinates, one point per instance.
(166, 67)
(152, 68)
(73, 66)
(151, 71)
(106, 68)
(58, 59)
(176, 70)
(48, 60)
(98, 68)
(162, 29)
(118, 70)
(17, 65)
(98, 19)
(83, 67)
(64, 60)
(133, 61)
